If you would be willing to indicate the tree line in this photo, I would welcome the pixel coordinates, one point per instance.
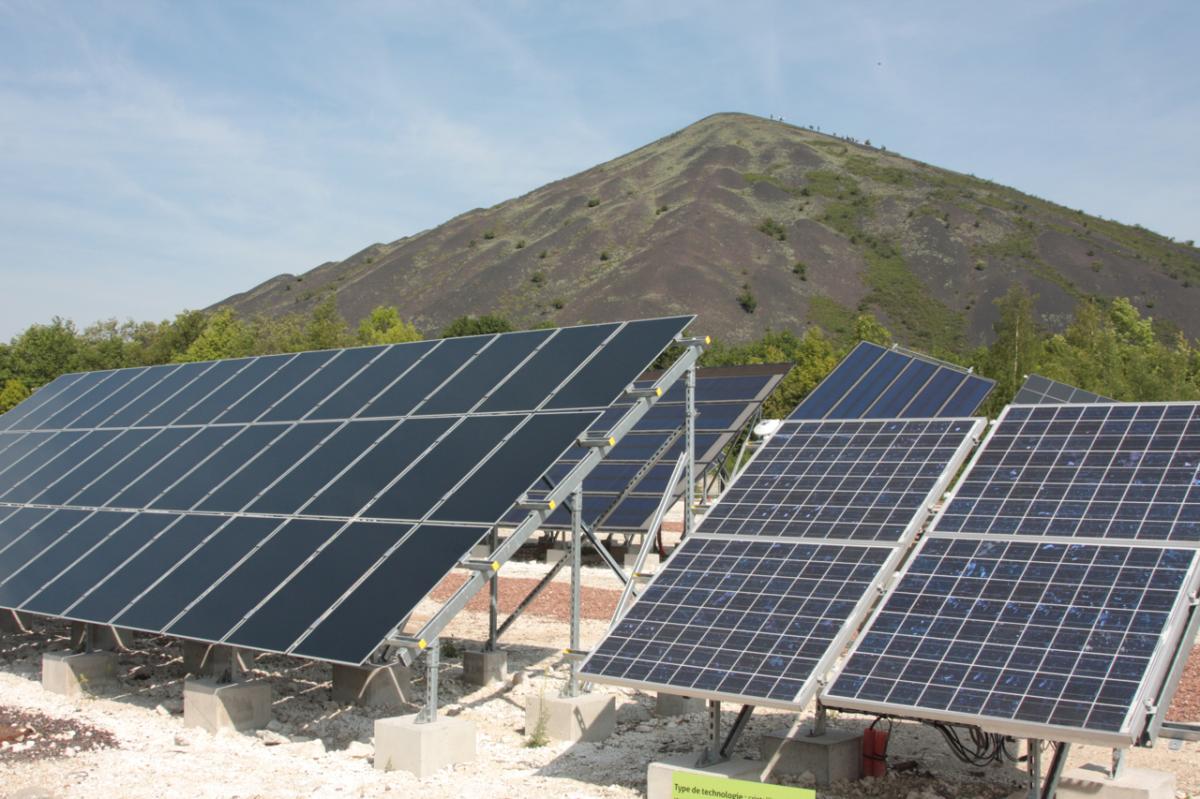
(1108, 347)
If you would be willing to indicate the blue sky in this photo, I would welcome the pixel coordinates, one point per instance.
(155, 157)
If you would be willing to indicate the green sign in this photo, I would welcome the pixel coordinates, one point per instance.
(689, 785)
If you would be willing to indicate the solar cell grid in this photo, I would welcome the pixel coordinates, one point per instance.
(853, 480)
(728, 619)
(1038, 639)
(1117, 472)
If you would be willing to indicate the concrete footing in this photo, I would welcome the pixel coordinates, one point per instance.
(591, 717)
(836, 755)
(554, 554)
(214, 706)
(659, 775)
(401, 744)
(668, 705)
(484, 668)
(389, 687)
(1093, 782)
(103, 637)
(650, 564)
(75, 674)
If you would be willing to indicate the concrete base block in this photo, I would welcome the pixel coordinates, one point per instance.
(1093, 782)
(591, 717)
(668, 705)
(484, 668)
(650, 564)
(660, 774)
(554, 555)
(74, 674)
(214, 706)
(385, 688)
(423, 749)
(836, 755)
(103, 637)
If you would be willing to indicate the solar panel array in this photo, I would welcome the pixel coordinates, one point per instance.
(622, 493)
(1050, 594)
(756, 604)
(875, 382)
(1038, 390)
(293, 503)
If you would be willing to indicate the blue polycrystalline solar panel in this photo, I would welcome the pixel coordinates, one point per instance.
(1106, 471)
(738, 619)
(294, 503)
(1038, 390)
(758, 602)
(1059, 641)
(881, 383)
(862, 480)
(615, 499)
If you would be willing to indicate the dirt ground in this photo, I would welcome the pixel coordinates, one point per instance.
(132, 742)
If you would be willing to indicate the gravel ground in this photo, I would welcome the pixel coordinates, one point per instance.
(315, 747)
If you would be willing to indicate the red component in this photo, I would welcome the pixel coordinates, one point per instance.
(874, 752)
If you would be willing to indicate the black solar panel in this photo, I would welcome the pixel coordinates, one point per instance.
(186, 498)
(1038, 390)
(874, 382)
(758, 602)
(726, 399)
(1050, 595)
(1065, 641)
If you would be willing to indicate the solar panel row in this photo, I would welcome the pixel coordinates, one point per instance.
(1051, 592)
(239, 502)
(756, 605)
(874, 382)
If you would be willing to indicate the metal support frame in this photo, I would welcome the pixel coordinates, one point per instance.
(433, 661)
(572, 687)
(1057, 764)
(409, 647)
(1034, 764)
(648, 542)
(712, 749)
(493, 598)
(1158, 722)
(819, 719)
(689, 502)
(1118, 763)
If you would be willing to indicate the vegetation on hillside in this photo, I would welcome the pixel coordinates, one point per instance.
(1107, 347)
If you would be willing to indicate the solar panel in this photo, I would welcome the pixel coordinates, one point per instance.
(881, 383)
(756, 605)
(1049, 640)
(1098, 471)
(615, 498)
(1038, 390)
(850, 480)
(1051, 592)
(736, 619)
(326, 491)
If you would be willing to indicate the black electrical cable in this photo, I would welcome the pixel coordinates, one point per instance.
(981, 748)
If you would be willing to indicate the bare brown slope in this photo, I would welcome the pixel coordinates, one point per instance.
(678, 225)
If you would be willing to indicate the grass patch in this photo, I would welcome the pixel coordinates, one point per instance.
(829, 183)
(831, 316)
(866, 167)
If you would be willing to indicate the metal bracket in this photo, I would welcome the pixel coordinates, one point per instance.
(606, 441)
(433, 657)
(653, 391)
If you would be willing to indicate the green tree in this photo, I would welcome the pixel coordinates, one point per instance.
(13, 393)
(43, 352)
(224, 336)
(326, 328)
(868, 328)
(477, 325)
(384, 326)
(1017, 349)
